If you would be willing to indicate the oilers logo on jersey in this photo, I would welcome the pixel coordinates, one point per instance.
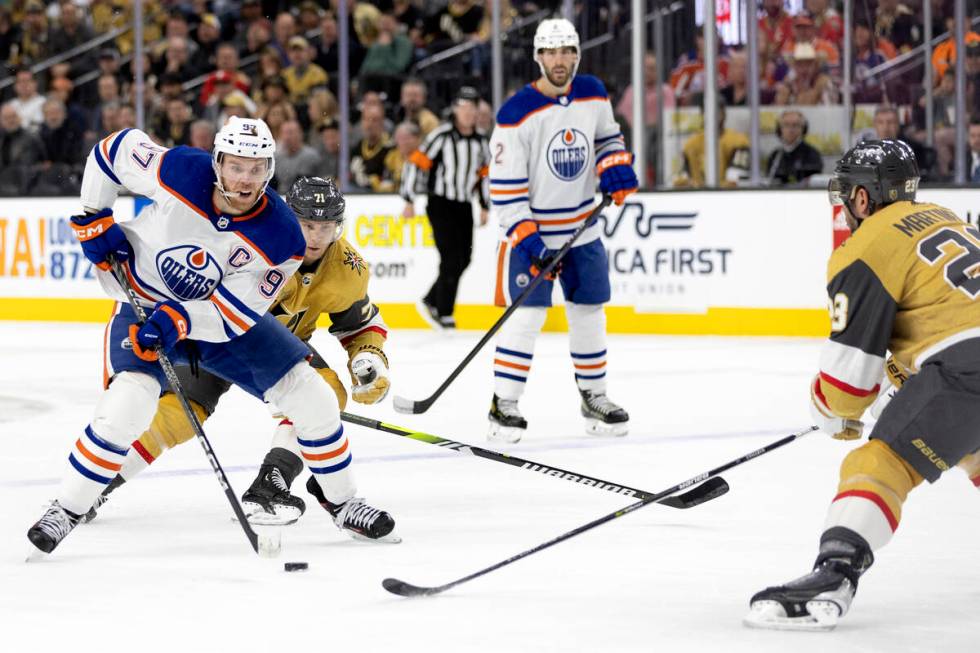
(190, 272)
(568, 153)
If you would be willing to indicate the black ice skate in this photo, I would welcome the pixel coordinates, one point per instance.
(506, 422)
(818, 600)
(356, 518)
(602, 416)
(53, 527)
(101, 499)
(268, 501)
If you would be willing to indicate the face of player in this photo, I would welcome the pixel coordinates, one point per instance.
(319, 234)
(243, 180)
(558, 64)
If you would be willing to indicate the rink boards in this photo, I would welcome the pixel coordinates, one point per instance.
(725, 263)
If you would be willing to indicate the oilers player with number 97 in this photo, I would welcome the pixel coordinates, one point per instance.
(206, 259)
(552, 139)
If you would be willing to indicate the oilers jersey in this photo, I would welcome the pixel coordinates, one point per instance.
(225, 270)
(543, 156)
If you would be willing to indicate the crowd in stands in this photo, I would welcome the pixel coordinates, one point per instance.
(207, 60)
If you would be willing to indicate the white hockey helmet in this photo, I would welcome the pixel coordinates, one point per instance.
(553, 33)
(246, 137)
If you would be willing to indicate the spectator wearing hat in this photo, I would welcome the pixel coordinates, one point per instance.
(302, 75)
(226, 60)
(449, 168)
(27, 101)
(72, 32)
(328, 148)
(412, 105)
(805, 32)
(805, 84)
(391, 52)
(294, 158)
(309, 16)
(207, 34)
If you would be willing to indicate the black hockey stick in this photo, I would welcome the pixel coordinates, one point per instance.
(402, 588)
(259, 544)
(403, 405)
(712, 489)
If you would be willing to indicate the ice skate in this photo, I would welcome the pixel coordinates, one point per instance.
(101, 500)
(818, 600)
(506, 422)
(268, 501)
(53, 527)
(356, 518)
(602, 416)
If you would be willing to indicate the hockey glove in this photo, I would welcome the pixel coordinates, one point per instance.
(616, 176)
(168, 324)
(100, 236)
(369, 370)
(524, 238)
(840, 428)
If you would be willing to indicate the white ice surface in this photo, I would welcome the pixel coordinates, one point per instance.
(164, 568)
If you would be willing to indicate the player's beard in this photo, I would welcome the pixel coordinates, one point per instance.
(561, 79)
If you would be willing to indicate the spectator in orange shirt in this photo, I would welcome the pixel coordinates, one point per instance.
(777, 26)
(687, 78)
(944, 55)
(805, 31)
(828, 22)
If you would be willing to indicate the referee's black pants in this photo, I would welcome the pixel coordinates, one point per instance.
(452, 228)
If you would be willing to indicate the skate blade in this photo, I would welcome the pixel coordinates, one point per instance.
(390, 538)
(263, 518)
(769, 615)
(35, 555)
(602, 429)
(505, 434)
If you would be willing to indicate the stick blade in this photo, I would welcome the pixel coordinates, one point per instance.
(401, 588)
(710, 489)
(406, 406)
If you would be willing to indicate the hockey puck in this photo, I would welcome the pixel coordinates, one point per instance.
(296, 566)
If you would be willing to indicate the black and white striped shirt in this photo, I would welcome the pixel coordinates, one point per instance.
(450, 165)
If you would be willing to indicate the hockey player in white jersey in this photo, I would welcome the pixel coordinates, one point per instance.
(552, 139)
(207, 257)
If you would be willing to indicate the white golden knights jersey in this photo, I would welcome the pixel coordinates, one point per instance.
(224, 270)
(335, 286)
(906, 281)
(543, 154)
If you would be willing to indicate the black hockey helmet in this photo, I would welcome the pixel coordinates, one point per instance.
(317, 199)
(886, 169)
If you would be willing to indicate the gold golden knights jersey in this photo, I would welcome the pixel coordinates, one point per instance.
(336, 286)
(905, 281)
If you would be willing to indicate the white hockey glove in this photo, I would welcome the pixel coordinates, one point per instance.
(840, 428)
(370, 374)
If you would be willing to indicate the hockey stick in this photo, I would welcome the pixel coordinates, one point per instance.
(266, 546)
(403, 405)
(712, 489)
(402, 588)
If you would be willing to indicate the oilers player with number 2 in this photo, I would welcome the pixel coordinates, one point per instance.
(207, 257)
(552, 139)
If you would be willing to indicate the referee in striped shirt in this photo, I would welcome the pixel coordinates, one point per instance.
(449, 168)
